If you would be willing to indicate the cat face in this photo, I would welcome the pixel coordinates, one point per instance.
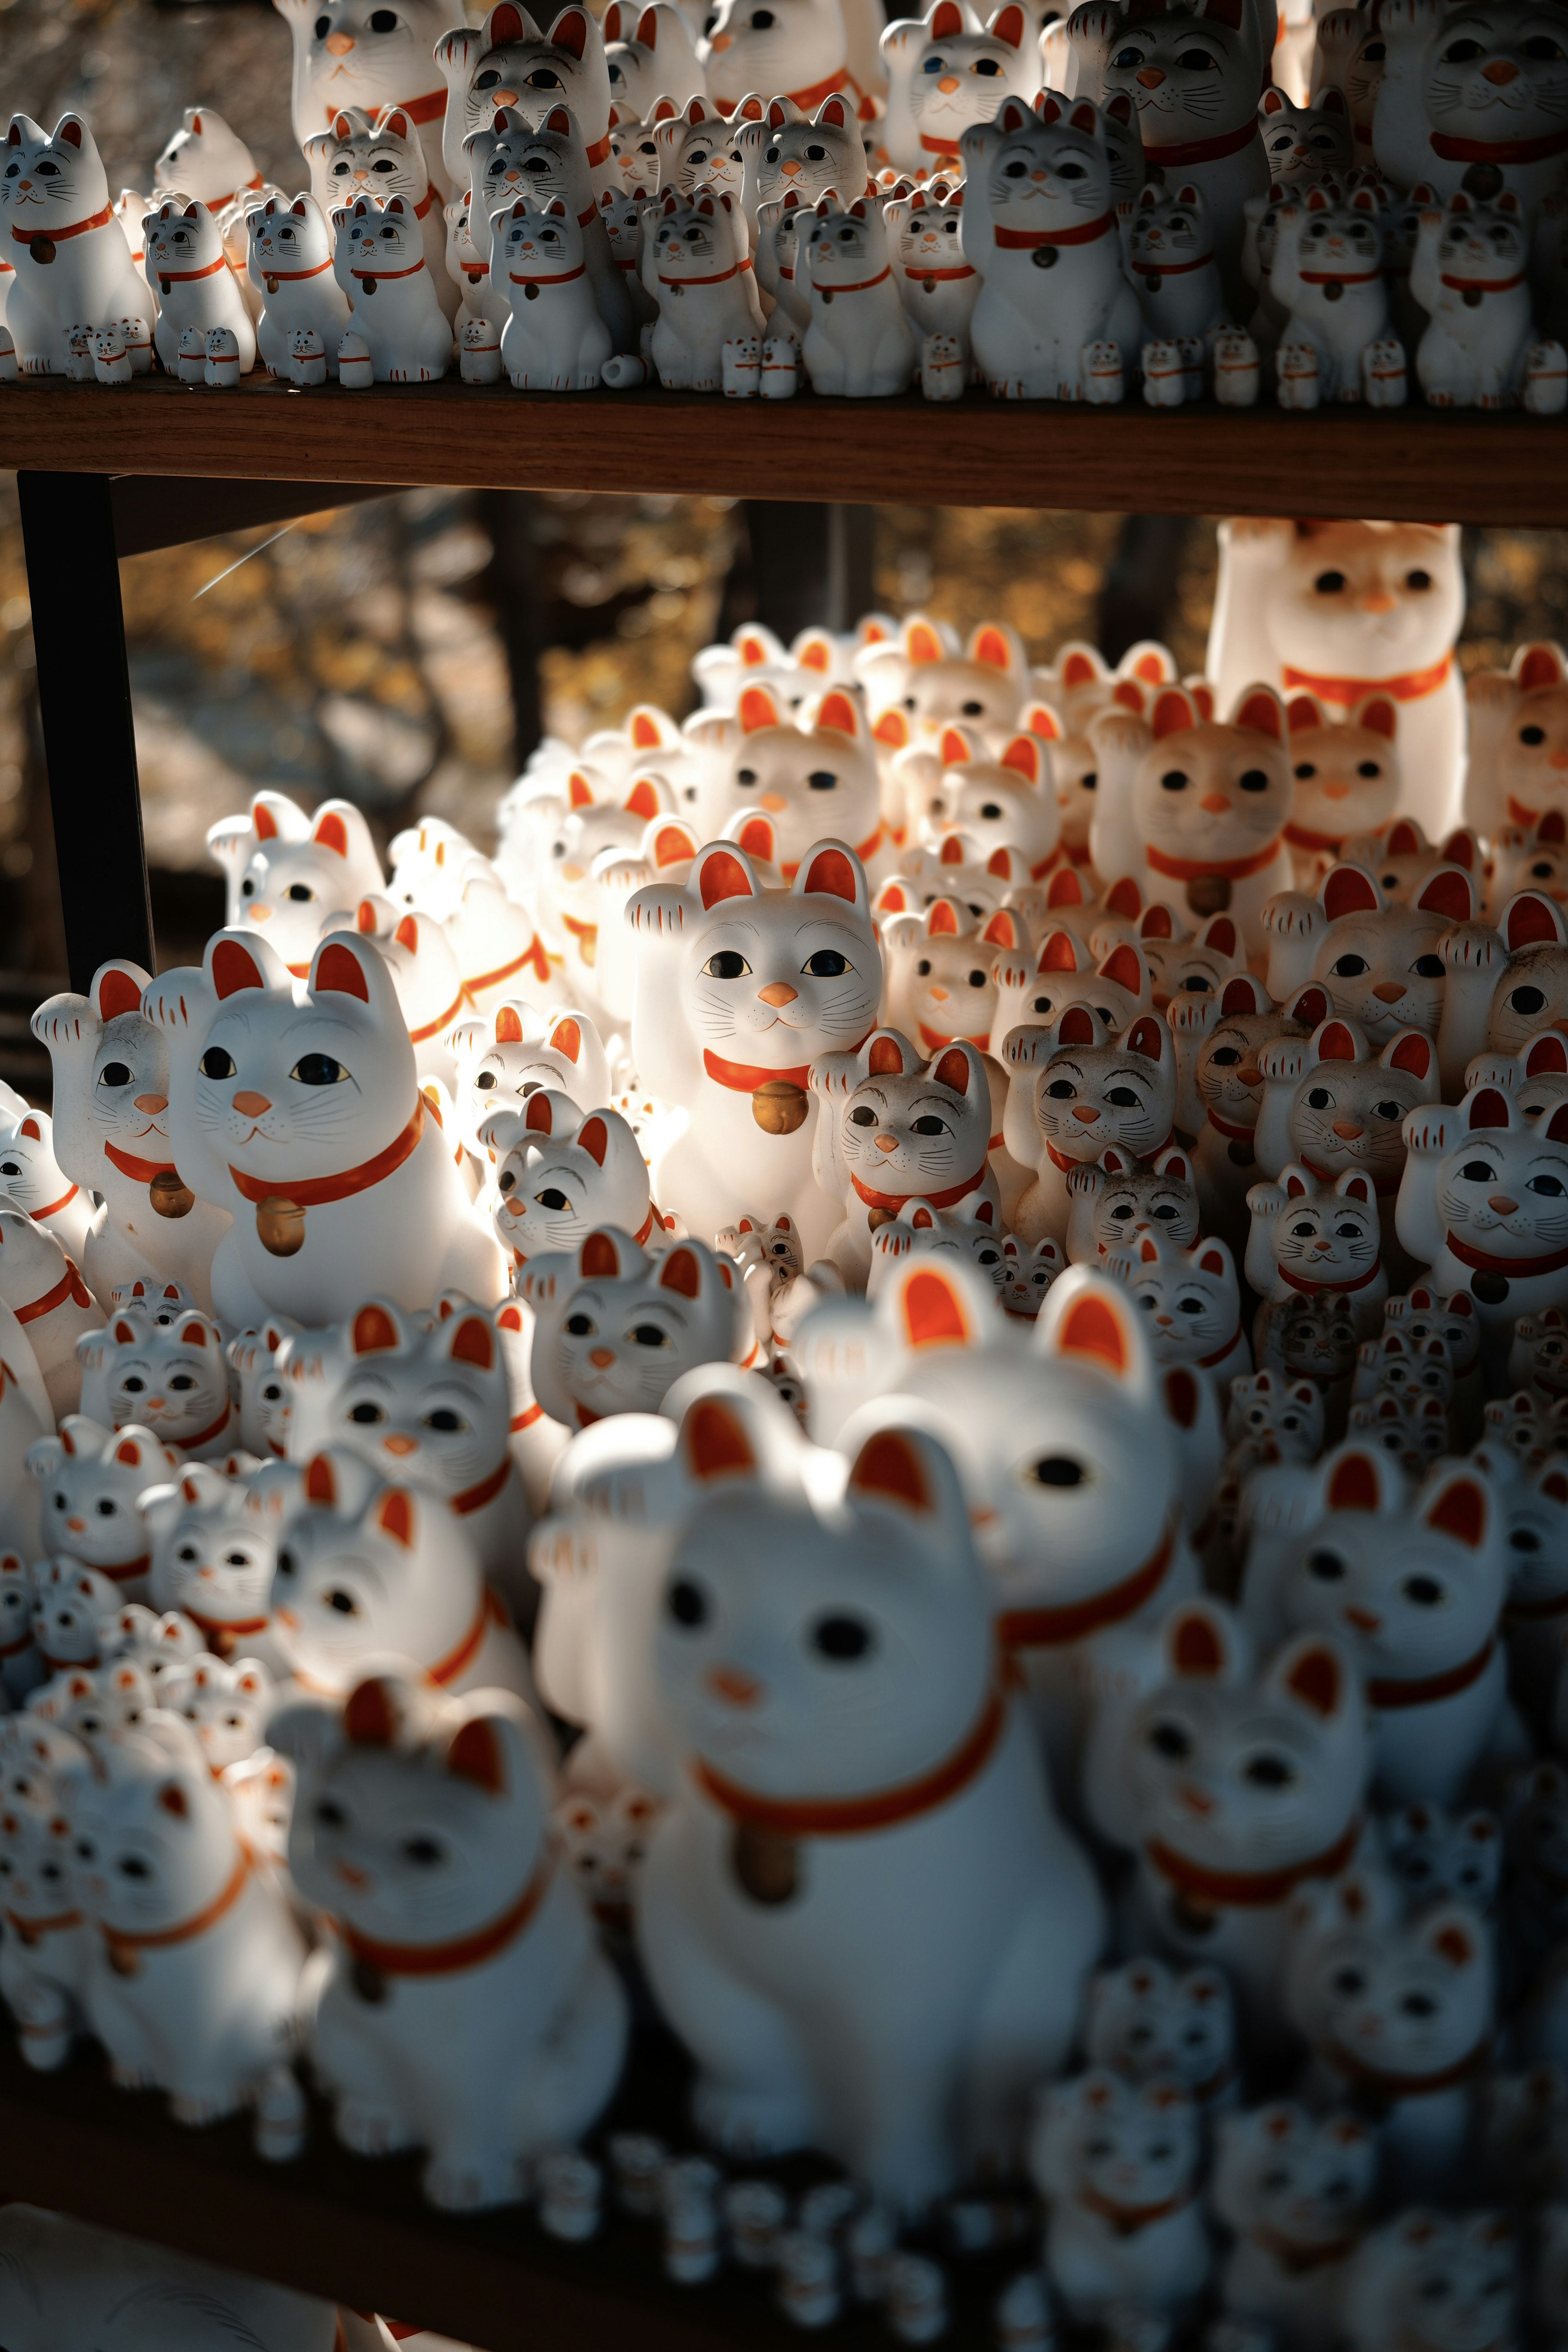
(1225, 1765)
(358, 55)
(287, 875)
(1117, 2146)
(811, 157)
(1502, 1184)
(1340, 243)
(417, 1817)
(1134, 1197)
(1347, 777)
(1096, 1091)
(1411, 1593)
(89, 1485)
(617, 1329)
(816, 777)
(31, 1178)
(180, 236)
(1347, 1113)
(958, 74)
(1478, 244)
(1363, 600)
(361, 156)
(1145, 2020)
(821, 1655)
(206, 160)
(1424, 1999)
(172, 1379)
(1495, 76)
(225, 1705)
(547, 244)
(1422, 1315)
(910, 1128)
(464, 259)
(216, 1545)
(983, 689)
(1169, 232)
(515, 1050)
(1027, 1275)
(427, 1407)
(69, 1602)
(1289, 2178)
(287, 238)
(796, 43)
(1327, 1232)
(36, 1874)
(127, 1091)
(1032, 988)
(698, 236)
(394, 1577)
(1184, 966)
(1380, 964)
(623, 225)
(1005, 802)
(1289, 1414)
(1229, 1076)
(153, 1839)
(1438, 1857)
(520, 66)
(1187, 76)
(51, 177)
(1048, 171)
(1533, 757)
(510, 158)
(376, 239)
(1304, 142)
(1447, 2285)
(841, 246)
(558, 1175)
(1191, 1299)
(688, 150)
(1207, 791)
(928, 236)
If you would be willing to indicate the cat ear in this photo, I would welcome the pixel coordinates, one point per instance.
(1304, 713)
(722, 872)
(1027, 755)
(1262, 710)
(930, 1305)
(394, 1513)
(1460, 1508)
(1203, 1643)
(1087, 1319)
(342, 967)
(1005, 930)
(235, 964)
(1450, 893)
(1214, 1258)
(1354, 1185)
(961, 1068)
(889, 1054)
(1338, 1041)
(593, 1138)
(1312, 1674)
(1173, 713)
(1148, 1035)
(996, 646)
(715, 1441)
(72, 130)
(117, 987)
(1244, 994)
(1062, 951)
(1537, 666)
(1378, 714)
(375, 1712)
(1127, 968)
(1413, 1052)
(838, 713)
(565, 1038)
(1272, 102)
(478, 1750)
(1358, 1478)
(556, 210)
(571, 32)
(470, 1341)
(1219, 934)
(830, 869)
(1532, 920)
(191, 1331)
(1489, 1107)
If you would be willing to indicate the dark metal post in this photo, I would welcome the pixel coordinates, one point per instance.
(811, 565)
(84, 707)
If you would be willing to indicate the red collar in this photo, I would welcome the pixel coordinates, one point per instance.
(853, 1816)
(28, 1931)
(1028, 240)
(1249, 1890)
(924, 276)
(141, 1171)
(1384, 1186)
(224, 1636)
(1483, 285)
(1128, 2219)
(1499, 151)
(1232, 1134)
(463, 1951)
(58, 236)
(490, 1613)
(167, 277)
(1338, 277)
(53, 1208)
(1197, 869)
(442, 1020)
(934, 1042)
(896, 1200)
(412, 271)
(1318, 1289)
(316, 1192)
(745, 1077)
(1390, 1694)
(1202, 151)
(1408, 2086)
(70, 1285)
(861, 285)
(1411, 686)
(275, 278)
(1171, 268)
(1059, 1159)
(1518, 1268)
(1300, 837)
(1050, 1629)
(125, 1944)
(533, 953)
(205, 1436)
(216, 203)
(716, 279)
(121, 1572)
(15, 1649)
(839, 78)
(474, 1498)
(1530, 1611)
(1207, 1363)
(565, 279)
(940, 146)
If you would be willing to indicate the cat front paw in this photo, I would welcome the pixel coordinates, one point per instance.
(1027, 1049)
(751, 2123)
(369, 2131)
(1192, 1017)
(1474, 948)
(196, 2109)
(1291, 915)
(1265, 1201)
(1084, 1180)
(469, 2184)
(1427, 1131)
(835, 1076)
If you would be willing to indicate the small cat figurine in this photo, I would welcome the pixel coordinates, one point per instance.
(558, 1175)
(649, 52)
(226, 1705)
(1006, 801)
(1469, 273)
(1484, 1202)
(379, 250)
(291, 871)
(380, 156)
(512, 61)
(172, 1380)
(497, 2029)
(1171, 261)
(711, 297)
(1328, 276)
(1221, 1039)
(778, 1887)
(289, 266)
(936, 285)
(1318, 1241)
(47, 1950)
(895, 1128)
(215, 1548)
(512, 158)
(1144, 2019)
(923, 669)
(1348, 779)
(1192, 1301)
(72, 259)
(555, 340)
(1519, 730)
(197, 288)
(946, 70)
(1075, 1089)
(1304, 144)
(650, 1320)
(941, 967)
(1117, 2164)
(1033, 986)
(1334, 1105)
(859, 343)
(32, 1179)
(1038, 334)
(1438, 1857)
(1296, 2190)
(90, 1483)
(1117, 1198)
(1433, 2278)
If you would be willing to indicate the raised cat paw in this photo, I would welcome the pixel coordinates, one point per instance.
(1027, 1049)
(1291, 915)
(1284, 1062)
(1427, 1131)
(1473, 948)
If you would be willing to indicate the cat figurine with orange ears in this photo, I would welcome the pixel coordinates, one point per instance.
(1304, 144)
(559, 1173)
(111, 1136)
(860, 344)
(705, 293)
(72, 260)
(922, 672)
(1332, 1105)
(812, 770)
(1117, 1199)
(948, 69)
(197, 288)
(345, 54)
(544, 162)
(504, 1056)
(936, 285)
(32, 1179)
(289, 872)
(1038, 987)
(1004, 798)
(379, 250)
(649, 53)
(207, 159)
(1192, 1302)
(1219, 1042)
(380, 156)
(172, 1379)
(1075, 1089)
(1380, 964)
(511, 61)
(1327, 275)
(615, 1327)
(340, 1184)
(1342, 610)
(1349, 778)
(799, 54)
(289, 266)
(1484, 1202)
(1518, 769)
(1320, 1241)
(894, 1129)
(555, 340)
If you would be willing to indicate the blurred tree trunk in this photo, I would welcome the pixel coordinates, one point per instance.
(1138, 597)
(512, 582)
(801, 566)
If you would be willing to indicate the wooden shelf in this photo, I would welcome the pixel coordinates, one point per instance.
(1412, 464)
(357, 2232)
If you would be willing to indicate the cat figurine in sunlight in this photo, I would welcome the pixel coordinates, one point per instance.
(511, 60)
(206, 159)
(937, 286)
(812, 770)
(32, 1179)
(860, 344)
(197, 288)
(708, 299)
(504, 1057)
(90, 1483)
(380, 156)
(72, 259)
(947, 69)
(1336, 1106)
(1075, 1089)
(289, 871)
(558, 1175)
(616, 1327)
(215, 1548)
(498, 2028)
(50, 1300)
(379, 250)
(345, 56)
(555, 340)
(289, 266)
(894, 1128)
(171, 1379)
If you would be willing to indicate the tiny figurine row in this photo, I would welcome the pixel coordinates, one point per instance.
(1202, 198)
(894, 1392)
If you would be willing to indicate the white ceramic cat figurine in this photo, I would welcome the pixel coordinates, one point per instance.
(1304, 144)
(809, 770)
(1466, 86)
(207, 159)
(512, 61)
(1144, 2019)
(197, 288)
(47, 1946)
(215, 1547)
(1117, 2164)
(948, 69)
(412, 1577)
(772, 1885)
(1344, 610)
(558, 1175)
(1436, 2279)
(194, 1987)
(380, 251)
(1469, 273)
(1171, 262)
(505, 1055)
(859, 343)
(1075, 1089)
(1320, 1240)
(705, 290)
(937, 286)
(32, 1179)
(344, 55)
(290, 266)
(377, 1206)
(226, 1705)
(1117, 1198)
(614, 1329)
(1332, 1105)
(1348, 777)
(1192, 1300)
(1518, 739)
(1295, 2192)
(49, 1301)
(1379, 961)
(893, 1127)
(289, 872)
(510, 158)
(1484, 1202)
(475, 2017)
(1328, 276)
(767, 974)
(72, 261)
(1234, 1784)
(172, 1380)
(111, 1096)
(800, 52)
(91, 1481)
(380, 156)
(649, 52)
(1044, 334)
(555, 340)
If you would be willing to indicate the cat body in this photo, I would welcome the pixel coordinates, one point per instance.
(706, 295)
(171, 1379)
(197, 288)
(859, 343)
(701, 954)
(1484, 1202)
(290, 266)
(379, 252)
(1192, 1301)
(1033, 329)
(46, 1948)
(775, 1955)
(1462, 86)
(1075, 1089)
(1344, 610)
(946, 70)
(382, 156)
(1327, 275)
(559, 1175)
(498, 2029)
(377, 1205)
(555, 340)
(32, 1179)
(193, 1985)
(1171, 260)
(1319, 1241)
(893, 1127)
(71, 258)
(1117, 2165)
(937, 287)
(512, 159)
(1116, 1199)
(1295, 2190)
(1519, 740)
(50, 1302)
(614, 1329)
(1469, 273)
(90, 1483)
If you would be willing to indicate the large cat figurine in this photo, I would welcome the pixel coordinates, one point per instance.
(111, 1136)
(1467, 86)
(64, 2281)
(340, 1185)
(353, 53)
(862, 1804)
(773, 978)
(1342, 610)
(463, 2006)
(72, 262)
(800, 52)
(948, 69)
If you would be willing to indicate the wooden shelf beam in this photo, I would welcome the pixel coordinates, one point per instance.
(1414, 463)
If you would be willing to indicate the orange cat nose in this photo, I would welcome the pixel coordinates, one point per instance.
(886, 1143)
(1336, 792)
(602, 1357)
(1363, 1620)
(719, 41)
(399, 1443)
(1164, 1321)
(502, 98)
(76, 1526)
(1195, 1801)
(778, 993)
(1217, 804)
(1347, 1129)
(349, 1875)
(152, 1104)
(1087, 1112)
(1389, 991)
(251, 1106)
(1500, 71)
(791, 168)
(1151, 77)
(741, 1690)
(339, 44)
(948, 82)
(1250, 1078)
(258, 914)
(1379, 604)
(1500, 1204)
(1322, 1245)
(776, 801)
(938, 996)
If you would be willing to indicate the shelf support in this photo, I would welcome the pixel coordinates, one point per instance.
(84, 710)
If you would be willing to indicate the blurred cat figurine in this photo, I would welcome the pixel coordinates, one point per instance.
(1469, 85)
(1145, 2021)
(1348, 777)
(1469, 273)
(215, 1548)
(1318, 1240)
(711, 297)
(172, 1380)
(1484, 1202)
(290, 268)
(1327, 275)
(1117, 2164)
(1296, 2192)
(32, 1179)
(1076, 1089)
(49, 1301)
(1171, 261)
(946, 70)
(342, 58)
(91, 1482)
(380, 155)
(1432, 2277)
(379, 250)
(72, 260)
(207, 159)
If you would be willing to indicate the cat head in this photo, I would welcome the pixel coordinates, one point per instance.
(1204, 788)
(1169, 231)
(1347, 775)
(1008, 800)
(1287, 1413)
(801, 45)
(361, 155)
(91, 1482)
(424, 1400)
(616, 1328)
(1048, 169)
(843, 243)
(982, 688)
(375, 239)
(1096, 1090)
(69, 1602)
(698, 233)
(1444, 2283)
(286, 238)
(52, 176)
(1228, 1074)
(226, 1705)
(172, 1379)
(1501, 1184)
(1418, 2002)
(559, 1174)
(1475, 242)
(1230, 1764)
(154, 1840)
(512, 158)
(1438, 1857)
(513, 62)
(215, 1548)
(1037, 985)
(206, 160)
(1532, 753)
(464, 259)
(354, 53)
(647, 50)
(508, 1055)
(393, 1574)
(1189, 966)
(1296, 2182)
(1531, 992)
(532, 246)
(1411, 1586)
(813, 773)
(1326, 1233)
(418, 1816)
(773, 978)
(31, 1178)
(929, 234)
(1380, 962)
(1145, 2020)
(1497, 76)
(952, 1234)
(1027, 1275)
(180, 236)
(951, 69)
(1130, 1197)
(1304, 142)
(909, 1126)
(1422, 1314)
(1191, 1299)
(1190, 72)
(1348, 1112)
(286, 871)
(1117, 2147)
(1341, 239)
(1365, 600)
(37, 1872)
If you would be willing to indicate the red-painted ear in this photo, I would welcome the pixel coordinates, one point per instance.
(538, 1119)
(1147, 1037)
(953, 1070)
(374, 1331)
(1531, 920)
(475, 1754)
(1004, 929)
(723, 876)
(1347, 891)
(234, 968)
(117, 993)
(1549, 1054)
(1264, 712)
(370, 1718)
(1316, 1678)
(1240, 997)
(566, 1039)
(1195, 1645)
(889, 1464)
(1539, 666)
(1460, 1511)
(1447, 894)
(1125, 967)
(1059, 953)
(320, 1484)
(886, 1059)
(1173, 714)
(1380, 716)
(31, 1129)
(673, 845)
(1303, 715)
(594, 1137)
(330, 831)
(757, 709)
(1094, 1328)
(933, 1313)
(1335, 1042)
(830, 875)
(681, 1272)
(642, 800)
(394, 1517)
(172, 1798)
(570, 31)
(1155, 922)
(757, 837)
(1488, 1107)
(473, 1342)
(509, 1026)
(600, 1260)
(837, 715)
(339, 972)
(1353, 1484)
(1413, 1054)
(579, 791)
(715, 1441)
